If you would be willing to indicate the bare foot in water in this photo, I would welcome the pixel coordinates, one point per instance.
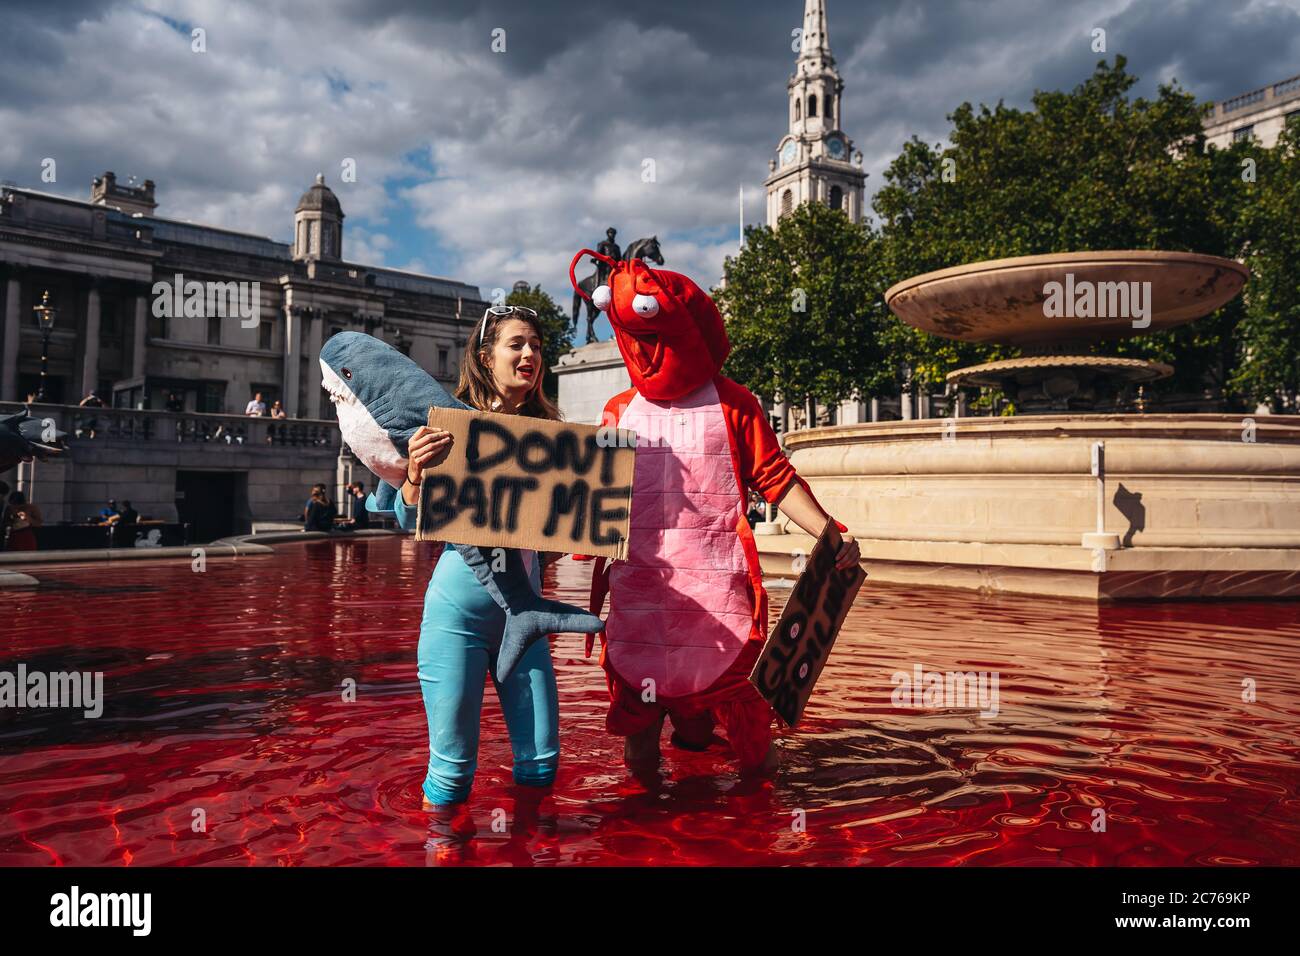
(641, 750)
(768, 768)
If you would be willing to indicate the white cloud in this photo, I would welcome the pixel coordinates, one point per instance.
(509, 163)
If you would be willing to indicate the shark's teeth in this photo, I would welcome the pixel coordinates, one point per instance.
(339, 395)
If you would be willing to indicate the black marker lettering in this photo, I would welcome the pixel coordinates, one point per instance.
(438, 509)
(607, 464)
(769, 679)
(566, 498)
(534, 442)
(599, 514)
(479, 462)
(791, 629)
(471, 497)
(504, 486)
(802, 673)
(566, 452)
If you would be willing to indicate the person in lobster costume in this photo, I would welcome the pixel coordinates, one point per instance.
(688, 613)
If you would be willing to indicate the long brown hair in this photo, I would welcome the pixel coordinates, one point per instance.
(477, 387)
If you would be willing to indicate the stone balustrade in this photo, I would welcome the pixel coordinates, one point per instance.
(144, 425)
(245, 470)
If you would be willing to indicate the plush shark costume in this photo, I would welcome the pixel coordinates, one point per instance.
(687, 608)
(475, 618)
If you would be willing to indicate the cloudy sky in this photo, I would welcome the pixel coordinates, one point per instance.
(494, 166)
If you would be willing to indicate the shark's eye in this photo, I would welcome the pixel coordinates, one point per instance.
(646, 306)
(347, 372)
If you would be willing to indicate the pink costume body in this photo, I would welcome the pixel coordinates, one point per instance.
(680, 605)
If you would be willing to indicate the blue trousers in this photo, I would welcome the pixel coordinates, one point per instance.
(459, 637)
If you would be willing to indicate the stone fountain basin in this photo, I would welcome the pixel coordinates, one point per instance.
(1006, 300)
(1205, 505)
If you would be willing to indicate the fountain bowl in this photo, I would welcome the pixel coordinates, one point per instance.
(1007, 300)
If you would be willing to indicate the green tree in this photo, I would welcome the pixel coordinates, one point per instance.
(1088, 169)
(1269, 232)
(803, 307)
(556, 337)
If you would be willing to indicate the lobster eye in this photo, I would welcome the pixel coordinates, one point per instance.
(600, 297)
(646, 306)
(347, 372)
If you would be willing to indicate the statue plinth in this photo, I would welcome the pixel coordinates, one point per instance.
(588, 377)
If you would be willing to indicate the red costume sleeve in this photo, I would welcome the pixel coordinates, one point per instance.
(600, 569)
(763, 465)
(615, 406)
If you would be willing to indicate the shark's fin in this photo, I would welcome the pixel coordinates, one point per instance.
(527, 625)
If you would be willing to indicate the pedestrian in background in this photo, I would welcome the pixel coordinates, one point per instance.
(360, 516)
(320, 513)
(22, 520)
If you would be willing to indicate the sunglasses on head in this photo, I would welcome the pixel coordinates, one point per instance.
(500, 310)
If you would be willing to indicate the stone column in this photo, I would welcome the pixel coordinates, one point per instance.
(314, 381)
(90, 355)
(138, 333)
(343, 478)
(9, 346)
(292, 356)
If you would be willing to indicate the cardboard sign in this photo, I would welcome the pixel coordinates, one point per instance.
(796, 650)
(514, 482)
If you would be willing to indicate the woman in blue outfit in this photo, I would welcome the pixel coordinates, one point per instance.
(461, 632)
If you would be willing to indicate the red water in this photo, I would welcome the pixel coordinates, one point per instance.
(224, 695)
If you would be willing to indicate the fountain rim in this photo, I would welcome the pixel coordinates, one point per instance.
(1203, 426)
(1100, 257)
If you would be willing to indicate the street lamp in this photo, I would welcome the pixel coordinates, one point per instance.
(45, 315)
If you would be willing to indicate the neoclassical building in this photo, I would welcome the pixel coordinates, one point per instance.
(100, 259)
(815, 161)
(1261, 114)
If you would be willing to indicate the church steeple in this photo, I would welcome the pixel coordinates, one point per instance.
(815, 161)
(815, 45)
(815, 86)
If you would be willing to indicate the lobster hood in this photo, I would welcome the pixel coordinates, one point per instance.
(667, 328)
